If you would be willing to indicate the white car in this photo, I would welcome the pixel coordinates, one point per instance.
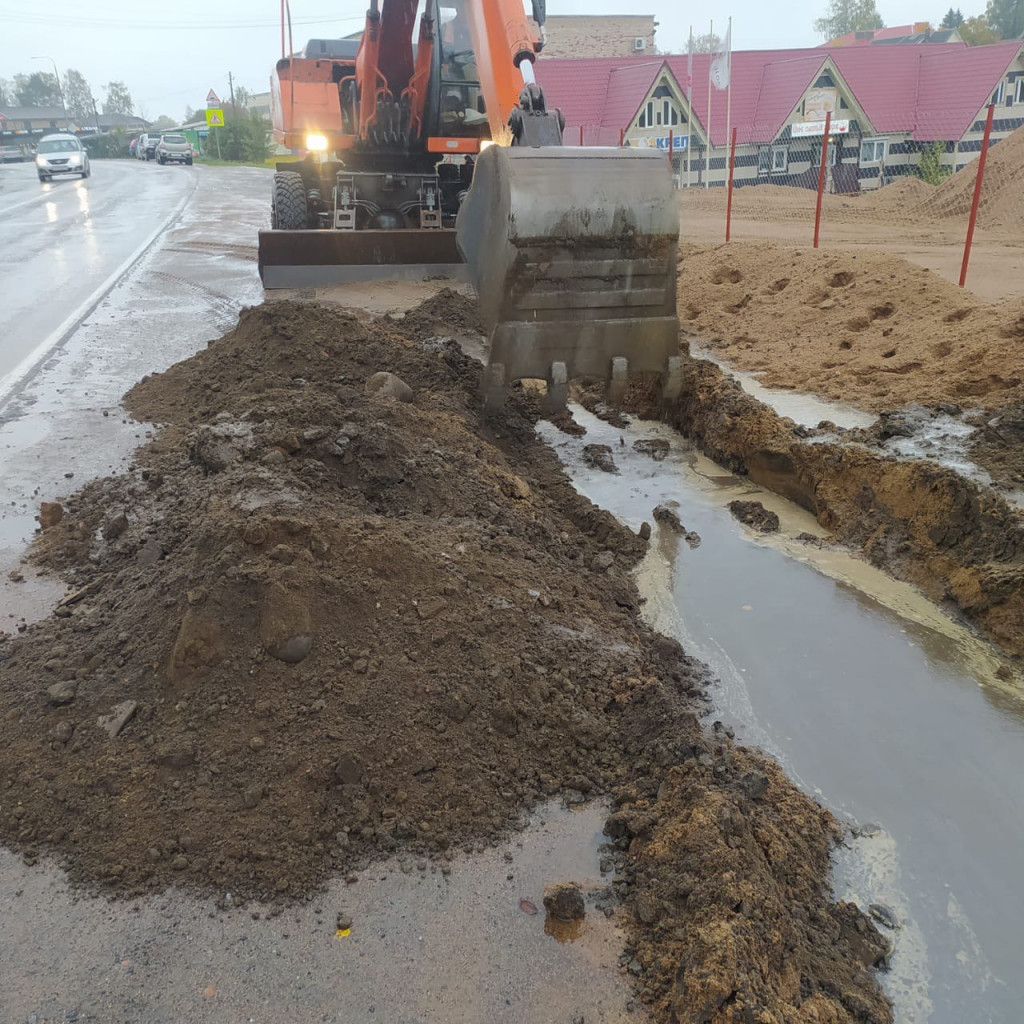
(61, 154)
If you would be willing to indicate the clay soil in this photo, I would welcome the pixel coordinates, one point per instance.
(869, 330)
(337, 626)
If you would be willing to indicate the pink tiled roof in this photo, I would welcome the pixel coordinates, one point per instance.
(934, 92)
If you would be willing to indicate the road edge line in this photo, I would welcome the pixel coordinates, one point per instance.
(26, 369)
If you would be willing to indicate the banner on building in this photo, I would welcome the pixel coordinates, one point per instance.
(804, 129)
(679, 143)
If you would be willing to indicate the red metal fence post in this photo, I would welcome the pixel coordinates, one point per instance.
(732, 169)
(977, 193)
(622, 136)
(671, 150)
(821, 176)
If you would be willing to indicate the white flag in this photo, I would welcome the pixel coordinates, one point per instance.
(721, 64)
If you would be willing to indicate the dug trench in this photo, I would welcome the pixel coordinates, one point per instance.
(328, 616)
(959, 542)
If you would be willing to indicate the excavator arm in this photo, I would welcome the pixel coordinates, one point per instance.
(447, 152)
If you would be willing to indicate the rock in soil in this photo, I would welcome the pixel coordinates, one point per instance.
(600, 457)
(755, 515)
(436, 702)
(656, 447)
(564, 901)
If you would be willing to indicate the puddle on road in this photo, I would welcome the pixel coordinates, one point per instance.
(423, 946)
(870, 697)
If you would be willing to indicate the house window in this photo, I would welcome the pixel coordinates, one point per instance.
(1000, 94)
(1019, 95)
(646, 117)
(872, 151)
(843, 105)
(780, 159)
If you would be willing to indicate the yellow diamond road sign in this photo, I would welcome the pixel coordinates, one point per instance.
(215, 118)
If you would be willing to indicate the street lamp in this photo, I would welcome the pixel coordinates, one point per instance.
(63, 105)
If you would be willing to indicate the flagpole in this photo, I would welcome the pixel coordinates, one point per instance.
(689, 105)
(707, 127)
(728, 85)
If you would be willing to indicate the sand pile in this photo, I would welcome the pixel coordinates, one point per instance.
(870, 330)
(315, 624)
(1001, 205)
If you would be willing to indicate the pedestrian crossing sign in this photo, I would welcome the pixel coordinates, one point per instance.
(215, 118)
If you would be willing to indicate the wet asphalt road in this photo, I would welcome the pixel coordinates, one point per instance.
(63, 242)
(60, 423)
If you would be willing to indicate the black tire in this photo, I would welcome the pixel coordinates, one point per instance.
(188, 162)
(43, 177)
(288, 210)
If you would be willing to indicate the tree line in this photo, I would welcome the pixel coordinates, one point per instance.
(1002, 19)
(42, 89)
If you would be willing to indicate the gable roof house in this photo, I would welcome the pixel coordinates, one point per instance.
(888, 104)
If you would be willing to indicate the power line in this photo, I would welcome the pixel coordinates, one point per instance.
(154, 26)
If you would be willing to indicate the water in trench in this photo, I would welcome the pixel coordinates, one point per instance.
(872, 699)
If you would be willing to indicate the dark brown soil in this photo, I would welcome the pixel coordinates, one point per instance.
(349, 626)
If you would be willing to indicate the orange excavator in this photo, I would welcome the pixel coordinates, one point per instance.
(431, 152)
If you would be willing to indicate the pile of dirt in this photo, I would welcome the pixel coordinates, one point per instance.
(1000, 205)
(870, 330)
(901, 197)
(315, 624)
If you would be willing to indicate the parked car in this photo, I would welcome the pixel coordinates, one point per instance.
(174, 149)
(14, 154)
(61, 154)
(146, 149)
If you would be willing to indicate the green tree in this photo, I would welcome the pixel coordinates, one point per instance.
(848, 16)
(190, 116)
(978, 32)
(1006, 17)
(930, 167)
(243, 138)
(78, 96)
(163, 123)
(6, 92)
(953, 19)
(119, 100)
(708, 42)
(40, 89)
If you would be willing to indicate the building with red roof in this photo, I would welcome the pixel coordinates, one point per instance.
(888, 104)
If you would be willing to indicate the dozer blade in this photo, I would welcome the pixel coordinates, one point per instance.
(573, 254)
(318, 258)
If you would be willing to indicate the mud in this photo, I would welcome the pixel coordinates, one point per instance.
(958, 541)
(323, 627)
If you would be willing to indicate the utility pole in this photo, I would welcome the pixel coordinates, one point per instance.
(231, 87)
(60, 89)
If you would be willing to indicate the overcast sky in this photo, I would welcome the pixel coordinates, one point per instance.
(171, 54)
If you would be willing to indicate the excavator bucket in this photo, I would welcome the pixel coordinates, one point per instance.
(573, 254)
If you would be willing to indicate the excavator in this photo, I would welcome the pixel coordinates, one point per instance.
(431, 152)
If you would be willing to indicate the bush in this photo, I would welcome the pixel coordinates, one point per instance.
(930, 168)
(243, 138)
(110, 146)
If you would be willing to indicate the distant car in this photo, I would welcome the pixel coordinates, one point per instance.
(14, 155)
(146, 149)
(174, 149)
(61, 154)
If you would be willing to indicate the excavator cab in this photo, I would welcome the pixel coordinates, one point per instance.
(442, 159)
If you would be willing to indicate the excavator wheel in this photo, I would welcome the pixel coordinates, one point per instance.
(288, 210)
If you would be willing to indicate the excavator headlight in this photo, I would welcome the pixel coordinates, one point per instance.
(316, 143)
(486, 144)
